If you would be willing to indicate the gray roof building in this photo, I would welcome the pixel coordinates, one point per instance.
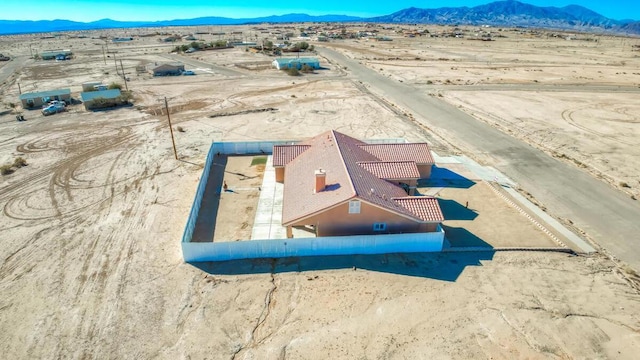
(37, 99)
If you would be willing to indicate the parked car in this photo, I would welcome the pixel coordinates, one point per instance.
(53, 109)
(188, 72)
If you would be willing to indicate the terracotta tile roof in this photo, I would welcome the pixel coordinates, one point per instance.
(299, 199)
(339, 156)
(283, 154)
(417, 152)
(425, 208)
(392, 169)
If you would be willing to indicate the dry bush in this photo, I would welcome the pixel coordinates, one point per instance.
(6, 169)
(292, 72)
(19, 162)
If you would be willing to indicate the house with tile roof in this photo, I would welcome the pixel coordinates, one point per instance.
(336, 185)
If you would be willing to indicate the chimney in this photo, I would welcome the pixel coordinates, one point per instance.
(321, 180)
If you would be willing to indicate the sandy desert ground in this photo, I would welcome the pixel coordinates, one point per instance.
(90, 262)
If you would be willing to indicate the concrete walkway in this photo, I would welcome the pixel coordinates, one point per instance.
(267, 223)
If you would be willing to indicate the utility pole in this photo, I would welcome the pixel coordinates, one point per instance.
(116, 62)
(124, 76)
(19, 89)
(166, 106)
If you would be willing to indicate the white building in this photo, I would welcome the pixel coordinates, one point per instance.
(288, 63)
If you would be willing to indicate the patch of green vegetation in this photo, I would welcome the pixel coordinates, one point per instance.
(259, 160)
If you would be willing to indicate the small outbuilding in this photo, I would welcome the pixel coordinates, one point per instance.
(168, 70)
(102, 99)
(56, 54)
(92, 86)
(37, 99)
(298, 63)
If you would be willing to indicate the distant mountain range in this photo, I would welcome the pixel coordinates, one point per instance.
(499, 13)
(506, 13)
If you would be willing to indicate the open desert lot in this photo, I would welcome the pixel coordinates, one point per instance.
(90, 257)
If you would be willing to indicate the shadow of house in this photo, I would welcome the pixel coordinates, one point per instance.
(461, 237)
(453, 210)
(438, 266)
(96, 100)
(443, 177)
(206, 222)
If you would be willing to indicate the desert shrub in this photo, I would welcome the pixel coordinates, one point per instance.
(126, 96)
(114, 85)
(19, 162)
(220, 43)
(180, 129)
(292, 71)
(624, 184)
(6, 169)
(306, 69)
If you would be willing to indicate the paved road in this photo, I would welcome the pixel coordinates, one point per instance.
(609, 216)
(200, 64)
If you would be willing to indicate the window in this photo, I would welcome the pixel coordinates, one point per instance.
(379, 226)
(354, 207)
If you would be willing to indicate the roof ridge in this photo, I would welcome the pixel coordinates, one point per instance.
(385, 161)
(413, 197)
(344, 164)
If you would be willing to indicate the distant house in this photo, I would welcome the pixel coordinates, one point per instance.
(56, 54)
(122, 39)
(288, 63)
(37, 99)
(94, 100)
(93, 86)
(336, 185)
(168, 70)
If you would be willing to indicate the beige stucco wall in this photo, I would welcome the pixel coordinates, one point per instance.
(280, 174)
(338, 221)
(425, 171)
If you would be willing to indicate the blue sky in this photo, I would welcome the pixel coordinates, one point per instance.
(148, 10)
